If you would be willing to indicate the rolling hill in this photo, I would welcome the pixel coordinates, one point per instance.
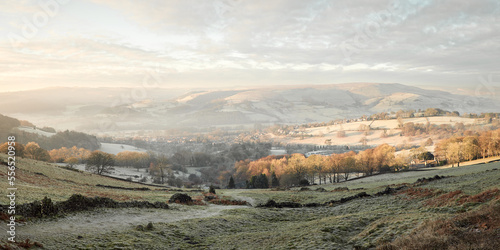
(105, 110)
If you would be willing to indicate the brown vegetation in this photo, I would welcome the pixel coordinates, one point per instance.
(458, 198)
(416, 193)
(457, 149)
(481, 197)
(477, 229)
(63, 154)
(444, 199)
(21, 244)
(290, 169)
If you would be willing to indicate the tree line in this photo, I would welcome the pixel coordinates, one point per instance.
(296, 168)
(66, 138)
(465, 148)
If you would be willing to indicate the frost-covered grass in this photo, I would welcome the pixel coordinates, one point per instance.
(372, 185)
(364, 223)
(35, 180)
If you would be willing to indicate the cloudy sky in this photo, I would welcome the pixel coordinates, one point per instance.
(226, 43)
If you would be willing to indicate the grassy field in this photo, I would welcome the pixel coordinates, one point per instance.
(362, 223)
(319, 135)
(35, 180)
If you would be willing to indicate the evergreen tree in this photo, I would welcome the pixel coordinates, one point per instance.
(263, 182)
(274, 180)
(258, 181)
(231, 183)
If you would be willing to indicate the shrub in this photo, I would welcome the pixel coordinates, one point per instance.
(181, 198)
(211, 189)
(47, 207)
(274, 180)
(231, 184)
(304, 182)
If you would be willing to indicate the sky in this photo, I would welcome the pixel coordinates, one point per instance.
(242, 43)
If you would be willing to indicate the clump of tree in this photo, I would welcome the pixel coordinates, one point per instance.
(63, 154)
(258, 181)
(289, 170)
(133, 159)
(72, 161)
(19, 149)
(100, 162)
(161, 170)
(274, 180)
(465, 148)
(66, 139)
(442, 130)
(33, 151)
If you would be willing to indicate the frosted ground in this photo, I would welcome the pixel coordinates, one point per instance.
(361, 222)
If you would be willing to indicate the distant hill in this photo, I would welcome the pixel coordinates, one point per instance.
(104, 110)
(46, 137)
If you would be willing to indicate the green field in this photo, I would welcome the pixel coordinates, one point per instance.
(357, 224)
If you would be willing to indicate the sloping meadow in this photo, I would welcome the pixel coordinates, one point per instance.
(392, 209)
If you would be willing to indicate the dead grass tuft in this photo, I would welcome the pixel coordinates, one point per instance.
(478, 229)
(458, 198)
(443, 200)
(21, 244)
(415, 193)
(481, 197)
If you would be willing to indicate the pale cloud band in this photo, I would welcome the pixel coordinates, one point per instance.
(234, 42)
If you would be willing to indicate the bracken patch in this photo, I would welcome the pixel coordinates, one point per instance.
(415, 193)
(24, 244)
(443, 200)
(471, 230)
(481, 197)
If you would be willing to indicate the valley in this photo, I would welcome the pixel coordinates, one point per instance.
(229, 124)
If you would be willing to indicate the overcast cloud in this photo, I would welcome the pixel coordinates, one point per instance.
(222, 43)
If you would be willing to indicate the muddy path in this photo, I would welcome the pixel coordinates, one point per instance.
(110, 219)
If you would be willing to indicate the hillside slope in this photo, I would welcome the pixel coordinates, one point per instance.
(162, 109)
(35, 180)
(384, 209)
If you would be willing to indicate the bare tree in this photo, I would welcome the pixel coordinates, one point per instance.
(100, 162)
